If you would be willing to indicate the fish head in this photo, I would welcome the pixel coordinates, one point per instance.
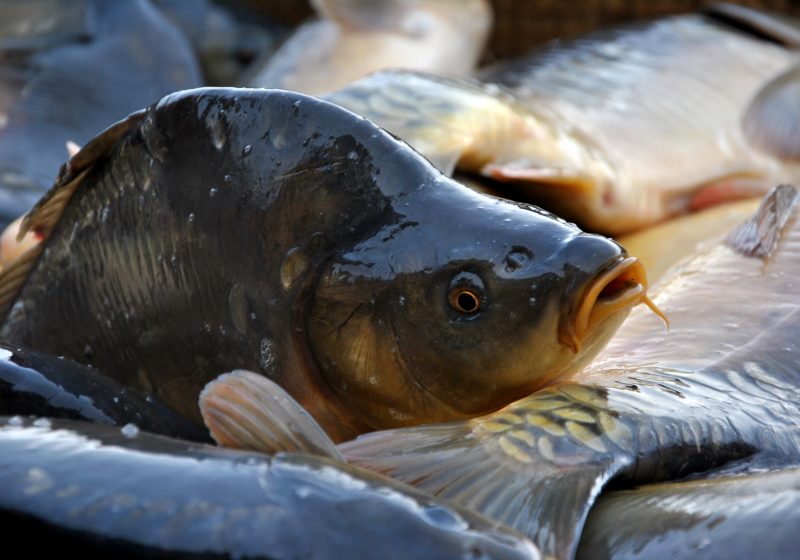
(463, 303)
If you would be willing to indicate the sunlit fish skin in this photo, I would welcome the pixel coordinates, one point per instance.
(97, 489)
(271, 231)
(746, 516)
(37, 384)
(356, 37)
(68, 69)
(616, 131)
(721, 385)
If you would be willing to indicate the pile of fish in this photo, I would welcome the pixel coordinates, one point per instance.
(340, 271)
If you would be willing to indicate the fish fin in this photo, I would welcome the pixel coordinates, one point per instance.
(759, 235)
(14, 274)
(772, 120)
(45, 214)
(526, 171)
(245, 410)
(363, 14)
(780, 28)
(727, 189)
(500, 475)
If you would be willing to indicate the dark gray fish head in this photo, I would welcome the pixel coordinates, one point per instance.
(462, 302)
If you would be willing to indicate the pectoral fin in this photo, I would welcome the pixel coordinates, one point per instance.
(509, 475)
(530, 173)
(245, 410)
(772, 121)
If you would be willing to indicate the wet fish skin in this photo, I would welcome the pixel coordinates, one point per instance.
(720, 386)
(37, 384)
(355, 37)
(336, 248)
(95, 489)
(748, 516)
(133, 55)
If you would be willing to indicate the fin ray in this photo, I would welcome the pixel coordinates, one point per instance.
(248, 411)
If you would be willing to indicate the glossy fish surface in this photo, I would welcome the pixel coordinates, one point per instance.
(97, 489)
(719, 386)
(356, 37)
(747, 516)
(67, 70)
(36, 384)
(616, 130)
(345, 267)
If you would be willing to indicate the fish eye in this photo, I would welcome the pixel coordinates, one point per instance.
(466, 293)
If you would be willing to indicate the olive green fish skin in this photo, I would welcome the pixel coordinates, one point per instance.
(274, 232)
(101, 490)
(723, 384)
(752, 516)
(67, 70)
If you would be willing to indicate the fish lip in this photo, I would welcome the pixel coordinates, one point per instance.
(620, 287)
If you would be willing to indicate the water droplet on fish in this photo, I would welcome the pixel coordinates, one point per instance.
(532, 301)
(266, 357)
(207, 327)
(305, 142)
(277, 163)
(104, 214)
(253, 316)
(303, 492)
(212, 192)
(401, 300)
(42, 423)
(173, 259)
(352, 155)
(296, 107)
(190, 217)
(228, 178)
(116, 399)
(246, 150)
(217, 135)
(15, 421)
(130, 430)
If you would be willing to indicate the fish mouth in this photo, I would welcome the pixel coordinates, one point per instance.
(621, 287)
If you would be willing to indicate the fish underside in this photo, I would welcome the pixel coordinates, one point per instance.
(720, 386)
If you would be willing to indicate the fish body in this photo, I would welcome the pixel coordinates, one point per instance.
(720, 386)
(36, 384)
(616, 130)
(106, 491)
(270, 231)
(744, 516)
(68, 69)
(356, 37)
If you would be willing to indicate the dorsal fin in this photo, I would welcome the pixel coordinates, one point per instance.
(46, 213)
(775, 27)
(759, 235)
(245, 410)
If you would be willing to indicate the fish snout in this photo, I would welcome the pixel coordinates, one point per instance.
(619, 283)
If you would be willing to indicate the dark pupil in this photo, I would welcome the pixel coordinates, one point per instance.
(467, 302)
